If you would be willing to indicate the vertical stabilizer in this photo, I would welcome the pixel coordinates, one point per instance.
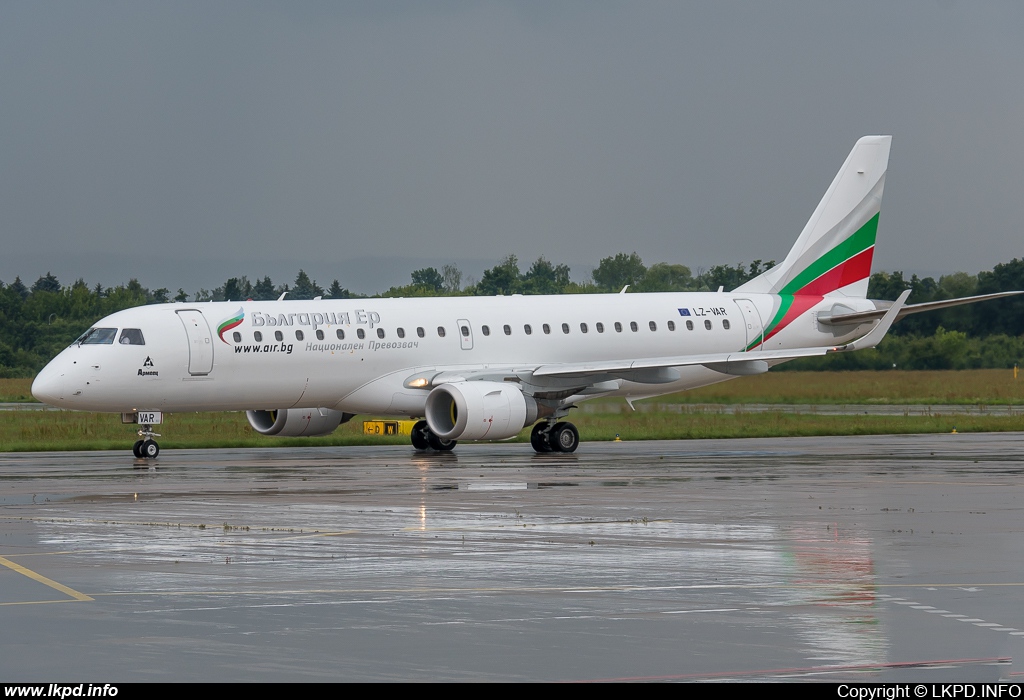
(833, 254)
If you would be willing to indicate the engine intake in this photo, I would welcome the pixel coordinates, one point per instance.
(297, 422)
(479, 411)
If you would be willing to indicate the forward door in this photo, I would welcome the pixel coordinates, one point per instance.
(200, 341)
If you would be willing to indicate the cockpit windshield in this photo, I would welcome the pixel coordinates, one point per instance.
(97, 336)
(132, 336)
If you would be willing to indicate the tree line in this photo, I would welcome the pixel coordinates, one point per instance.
(39, 321)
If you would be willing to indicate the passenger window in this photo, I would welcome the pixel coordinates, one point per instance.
(725, 323)
(599, 326)
(440, 331)
(401, 332)
(258, 337)
(133, 336)
(380, 333)
(98, 336)
(633, 327)
(236, 336)
(652, 325)
(707, 324)
(360, 333)
(486, 330)
(547, 329)
(340, 334)
(565, 328)
(299, 335)
(279, 336)
(671, 325)
(689, 325)
(583, 328)
(618, 327)
(419, 332)
(507, 328)
(319, 334)
(527, 329)
(464, 330)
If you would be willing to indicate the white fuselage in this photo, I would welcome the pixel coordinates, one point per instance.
(357, 355)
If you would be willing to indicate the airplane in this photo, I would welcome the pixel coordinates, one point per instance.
(485, 368)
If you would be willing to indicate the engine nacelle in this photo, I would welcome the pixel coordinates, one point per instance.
(479, 411)
(297, 422)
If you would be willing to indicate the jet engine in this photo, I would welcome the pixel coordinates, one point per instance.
(479, 410)
(297, 422)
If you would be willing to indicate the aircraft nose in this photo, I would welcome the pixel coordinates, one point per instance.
(48, 386)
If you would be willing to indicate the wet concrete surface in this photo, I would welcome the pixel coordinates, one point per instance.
(895, 558)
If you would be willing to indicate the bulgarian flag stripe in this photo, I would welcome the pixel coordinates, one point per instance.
(848, 262)
(230, 323)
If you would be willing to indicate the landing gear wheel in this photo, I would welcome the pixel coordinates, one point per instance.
(146, 448)
(564, 437)
(420, 435)
(439, 444)
(539, 438)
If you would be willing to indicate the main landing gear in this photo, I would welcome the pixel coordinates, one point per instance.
(423, 438)
(560, 436)
(146, 447)
(555, 437)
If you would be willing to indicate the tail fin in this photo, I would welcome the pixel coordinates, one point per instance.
(833, 254)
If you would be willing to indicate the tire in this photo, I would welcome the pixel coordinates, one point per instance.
(564, 437)
(539, 439)
(439, 444)
(419, 435)
(150, 449)
(137, 449)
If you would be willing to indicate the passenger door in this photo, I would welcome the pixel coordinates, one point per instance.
(751, 322)
(200, 341)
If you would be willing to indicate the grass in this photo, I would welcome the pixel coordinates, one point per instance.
(16, 391)
(964, 387)
(68, 430)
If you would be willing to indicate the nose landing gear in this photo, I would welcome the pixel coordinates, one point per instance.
(146, 447)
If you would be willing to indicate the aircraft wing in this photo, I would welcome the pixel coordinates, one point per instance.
(865, 316)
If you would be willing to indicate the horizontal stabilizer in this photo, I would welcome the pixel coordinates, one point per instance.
(865, 316)
(878, 332)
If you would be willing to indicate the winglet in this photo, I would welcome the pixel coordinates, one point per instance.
(874, 337)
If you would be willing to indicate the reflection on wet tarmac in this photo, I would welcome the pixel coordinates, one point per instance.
(688, 560)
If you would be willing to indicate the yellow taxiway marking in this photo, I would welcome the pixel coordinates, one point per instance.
(43, 580)
(39, 602)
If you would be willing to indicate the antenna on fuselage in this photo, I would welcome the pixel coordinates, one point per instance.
(624, 289)
(281, 298)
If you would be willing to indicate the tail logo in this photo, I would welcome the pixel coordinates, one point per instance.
(230, 323)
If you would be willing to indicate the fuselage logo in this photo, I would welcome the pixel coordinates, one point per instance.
(230, 323)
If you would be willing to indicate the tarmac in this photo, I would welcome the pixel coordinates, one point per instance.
(865, 559)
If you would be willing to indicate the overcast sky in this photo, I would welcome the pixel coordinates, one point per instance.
(184, 143)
